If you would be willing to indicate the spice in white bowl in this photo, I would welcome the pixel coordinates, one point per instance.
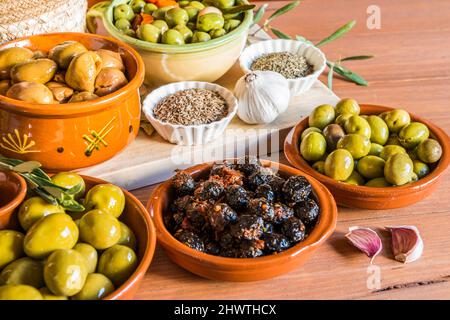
(289, 65)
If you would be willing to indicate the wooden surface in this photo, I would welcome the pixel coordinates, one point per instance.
(411, 70)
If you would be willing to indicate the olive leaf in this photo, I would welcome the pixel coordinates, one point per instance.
(348, 74)
(259, 14)
(330, 76)
(337, 34)
(282, 11)
(280, 34)
(28, 166)
(238, 9)
(356, 58)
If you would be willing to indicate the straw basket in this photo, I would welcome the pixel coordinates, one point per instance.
(20, 18)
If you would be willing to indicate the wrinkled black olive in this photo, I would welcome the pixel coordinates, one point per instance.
(296, 189)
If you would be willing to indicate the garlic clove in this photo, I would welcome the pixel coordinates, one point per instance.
(407, 245)
(366, 240)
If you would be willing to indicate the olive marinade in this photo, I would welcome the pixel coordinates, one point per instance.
(242, 210)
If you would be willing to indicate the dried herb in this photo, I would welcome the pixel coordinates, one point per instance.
(289, 65)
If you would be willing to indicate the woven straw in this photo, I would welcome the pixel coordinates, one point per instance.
(20, 18)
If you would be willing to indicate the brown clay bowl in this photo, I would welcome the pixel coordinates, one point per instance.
(13, 189)
(245, 269)
(368, 197)
(63, 137)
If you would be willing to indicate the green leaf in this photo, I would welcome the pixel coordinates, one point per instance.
(259, 14)
(280, 34)
(27, 167)
(338, 33)
(238, 9)
(330, 77)
(282, 10)
(302, 39)
(350, 75)
(75, 189)
(356, 58)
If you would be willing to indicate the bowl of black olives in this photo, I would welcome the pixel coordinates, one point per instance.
(241, 219)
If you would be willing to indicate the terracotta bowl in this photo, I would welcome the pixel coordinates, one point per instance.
(63, 137)
(13, 189)
(138, 219)
(369, 197)
(245, 269)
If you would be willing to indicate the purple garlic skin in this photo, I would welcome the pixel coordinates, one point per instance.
(407, 244)
(366, 240)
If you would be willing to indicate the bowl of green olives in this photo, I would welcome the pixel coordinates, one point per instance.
(178, 40)
(102, 252)
(370, 156)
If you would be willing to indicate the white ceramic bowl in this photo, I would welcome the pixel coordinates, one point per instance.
(313, 55)
(189, 135)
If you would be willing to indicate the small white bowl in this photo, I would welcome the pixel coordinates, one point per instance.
(189, 135)
(313, 55)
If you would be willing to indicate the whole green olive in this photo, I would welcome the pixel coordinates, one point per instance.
(176, 16)
(11, 246)
(319, 166)
(33, 209)
(371, 167)
(339, 165)
(183, 3)
(412, 153)
(200, 36)
(197, 4)
(90, 255)
(10, 57)
(127, 236)
(413, 134)
(192, 13)
(342, 118)
(185, 32)
(123, 11)
(378, 183)
(149, 32)
(70, 180)
(321, 116)
(137, 5)
(123, 24)
(160, 13)
(396, 119)
(333, 133)
(19, 292)
(420, 168)
(379, 129)
(100, 229)
(347, 105)
(149, 8)
(217, 33)
(106, 197)
(82, 71)
(429, 151)
(173, 37)
(210, 21)
(31, 92)
(358, 125)
(375, 149)
(357, 145)
(313, 147)
(96, 287)
(118, 263)
(222, 4)
(231, 24)
(48, 295)
(391, 150)
(23, 271)
(355, 179)
(398, 169)
(64, 52)
(65, 272)
(309, 130)
(161, 25)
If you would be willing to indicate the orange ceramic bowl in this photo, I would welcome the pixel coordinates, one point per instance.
(13, 189)
(368, 197)
(137, 218)
(73, 135)
(242, 269)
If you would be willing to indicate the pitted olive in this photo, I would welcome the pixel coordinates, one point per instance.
(61, 92)
(184, 31)
(173, 37)
(111, 59)
(82, 71)
(10, 57)
(149, 32)
(342, 118)
(161, 25)
(200, 36)
(64, 52)
(31, 92)
(109, 80)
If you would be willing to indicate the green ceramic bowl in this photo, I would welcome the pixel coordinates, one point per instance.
(206, 61)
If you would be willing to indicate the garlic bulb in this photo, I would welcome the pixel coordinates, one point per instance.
(262, 96)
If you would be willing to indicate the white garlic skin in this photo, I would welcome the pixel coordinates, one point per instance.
(262, 96)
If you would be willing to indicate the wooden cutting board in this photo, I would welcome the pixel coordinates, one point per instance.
(149, 160)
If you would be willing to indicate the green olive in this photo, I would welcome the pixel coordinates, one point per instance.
(90, 255)
(378, 183)
(197, 4)
(137, 5)
(39, 71)
(313, 147)
(321, 116)
(398, 169)
(375, 149)
(183, 3)
(319, 166)
(176, 16)
(379, 129)
(106, 197)
(349, 106)
(192, 13)
(123, 24)
(412, 153)
(429, 151)
(33, 209)
(342, 118)
(109, 80)
(357, 145)
(149, 32)
(149, 8)
(10, 57)
(414, 177)
(231, 24)
(393, 140)
(173, 37)
(123, 11)
(339, 165)
(160, 13)
(355, 179)
(391, 150)
(210, 21)
(52, 232)
(11, 246)
(64, 52)
(118, 263)
(65, 272)
(130, 33)
(100, 229)
(31, 92)
(161, 25)
(185, 32)
(371, 167)
(358, 125)
(333, 133)
(420, 168)
(413, 134)
(82, 71)
(217, 33)
(396, 119)
(70, 180)
(96, 287)
(309, 130)
(48, 295)
(199, 36)
(222, 4)
(127, 236)
(23, 271)
(19, 292)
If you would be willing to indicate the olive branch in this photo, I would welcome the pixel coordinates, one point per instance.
(335, 67)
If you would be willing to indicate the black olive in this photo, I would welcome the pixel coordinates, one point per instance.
(307, 211)
(251, 249)
(209, 190)
(237, 197)
(190, 239)
(281, 213)
(276, 242)
(221, 215)
(248, 227)
(265, 191)
(248, 165)
(183, 183)
(294, 229)
(296, 189)
(261, 207)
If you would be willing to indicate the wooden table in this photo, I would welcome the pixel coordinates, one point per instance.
(411, 70)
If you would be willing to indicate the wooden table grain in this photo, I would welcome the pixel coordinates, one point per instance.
(412, 71)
